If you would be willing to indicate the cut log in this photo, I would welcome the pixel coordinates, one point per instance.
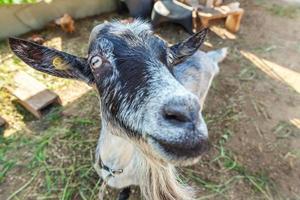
(231, 12)
(194, 16)
(32, 94)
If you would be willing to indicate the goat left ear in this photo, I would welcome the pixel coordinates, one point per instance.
(52, 61)
(182, 50)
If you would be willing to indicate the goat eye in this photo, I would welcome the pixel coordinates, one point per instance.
(96, 62)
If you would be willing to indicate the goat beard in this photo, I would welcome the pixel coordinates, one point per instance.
(159, 180)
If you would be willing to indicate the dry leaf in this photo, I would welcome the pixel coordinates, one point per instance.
(66, 22)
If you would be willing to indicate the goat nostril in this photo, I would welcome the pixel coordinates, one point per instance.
(176, 117)
(180, 111)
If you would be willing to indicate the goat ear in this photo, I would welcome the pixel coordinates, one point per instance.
(182, 50)
(51, 61)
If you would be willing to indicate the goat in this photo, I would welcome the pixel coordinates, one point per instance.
(151, 97)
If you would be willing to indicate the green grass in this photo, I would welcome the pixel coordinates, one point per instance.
(265, 48)
(285, 130)
(59, 156)
(258, 181)
(226, 159)
(17, 1)
(289, 11)
(6, 164)
(247, 74)
(215, 189)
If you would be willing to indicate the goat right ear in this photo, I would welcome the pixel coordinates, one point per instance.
(182, 50)
(51, 61)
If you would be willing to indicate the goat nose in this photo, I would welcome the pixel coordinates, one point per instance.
(181, 111)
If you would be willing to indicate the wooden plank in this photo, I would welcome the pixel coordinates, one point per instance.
(220, 12)
(231, 12)
(32, 94)
(26, 86)
(233, 22)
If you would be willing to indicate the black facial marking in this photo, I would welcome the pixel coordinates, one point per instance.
(160, 49)
(136, 57)
(133, 61)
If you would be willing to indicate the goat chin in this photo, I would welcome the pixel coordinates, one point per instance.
(157, 179)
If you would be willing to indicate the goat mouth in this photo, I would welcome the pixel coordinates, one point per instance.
(179, 153)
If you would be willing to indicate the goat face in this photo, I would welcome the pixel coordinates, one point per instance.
(132, 70)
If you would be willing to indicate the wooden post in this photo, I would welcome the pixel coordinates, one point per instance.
(233, 22)
(205, 22)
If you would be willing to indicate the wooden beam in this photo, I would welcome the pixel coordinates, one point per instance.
(231, 12)
(32, 94)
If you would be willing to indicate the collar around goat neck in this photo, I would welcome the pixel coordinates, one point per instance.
(99, 165)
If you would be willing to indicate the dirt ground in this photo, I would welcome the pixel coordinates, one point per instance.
(252, 112)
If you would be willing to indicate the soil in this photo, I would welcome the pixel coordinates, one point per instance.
(252, 110)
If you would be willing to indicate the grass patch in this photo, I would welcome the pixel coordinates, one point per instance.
(285, 130)
(55, 114)
(216, 189)
(265, 48)
(247, 74)
(226, 160)
(6, 164)
(61, 159)
(17, 1)
(259, 181)
(290, 11)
